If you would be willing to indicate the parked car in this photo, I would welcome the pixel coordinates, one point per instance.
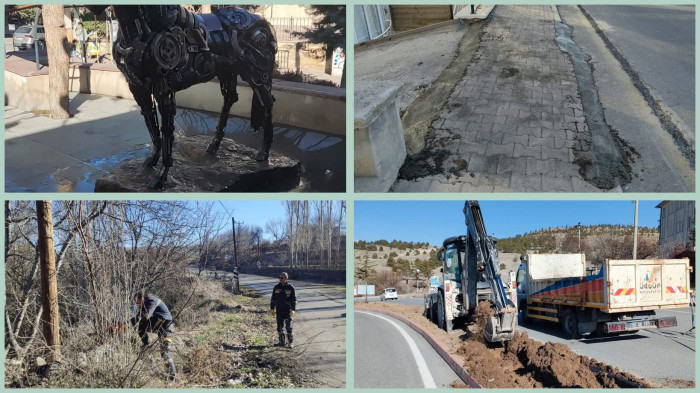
(389, 293)
(26, 36)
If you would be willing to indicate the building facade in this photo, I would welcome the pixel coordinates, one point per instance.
(676, 226)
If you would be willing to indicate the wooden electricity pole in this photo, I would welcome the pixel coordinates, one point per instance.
(49, 287)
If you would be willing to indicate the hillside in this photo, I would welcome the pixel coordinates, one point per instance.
(598, 242)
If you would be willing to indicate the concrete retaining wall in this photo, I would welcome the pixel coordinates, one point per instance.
(320, 108)
(380, 149)
(28, 93)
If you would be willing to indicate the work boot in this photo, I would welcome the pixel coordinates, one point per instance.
(291, 341)
(172, 372)
(291, 345)
(281, 341)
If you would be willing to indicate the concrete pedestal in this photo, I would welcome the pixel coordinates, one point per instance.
(233, 169)
(380, 149)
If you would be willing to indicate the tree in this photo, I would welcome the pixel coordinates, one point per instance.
(363, 273)
(275, 227)
(49, 285)
(256, 234)
(329, 29)
(57, 49)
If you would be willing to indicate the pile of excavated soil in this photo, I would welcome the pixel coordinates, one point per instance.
(522, 362)
(481, 317)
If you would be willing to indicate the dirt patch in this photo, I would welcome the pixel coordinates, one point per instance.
(482, 313)
(522, 362)
(420, 114)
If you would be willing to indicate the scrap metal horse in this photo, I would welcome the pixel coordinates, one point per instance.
(162, 49)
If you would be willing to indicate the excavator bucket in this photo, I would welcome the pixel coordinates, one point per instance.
(502, 326)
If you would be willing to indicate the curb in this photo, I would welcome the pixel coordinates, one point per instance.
(453, 361)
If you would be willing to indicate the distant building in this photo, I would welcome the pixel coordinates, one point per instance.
(676, 225)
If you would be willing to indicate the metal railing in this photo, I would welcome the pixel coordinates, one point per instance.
(285, 27)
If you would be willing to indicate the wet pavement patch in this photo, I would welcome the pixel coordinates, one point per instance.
(596, 150)
(508, 72)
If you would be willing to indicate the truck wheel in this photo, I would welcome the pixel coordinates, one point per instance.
(441, 313)
(428, 312)
(569, 324)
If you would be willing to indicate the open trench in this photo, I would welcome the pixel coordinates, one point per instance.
(520, 363)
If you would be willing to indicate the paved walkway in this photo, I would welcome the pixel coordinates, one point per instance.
(513, 122)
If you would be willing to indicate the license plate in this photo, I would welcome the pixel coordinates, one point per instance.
(640, 324)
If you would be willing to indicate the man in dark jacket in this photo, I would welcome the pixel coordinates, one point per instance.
(284, 299)
(154, 316)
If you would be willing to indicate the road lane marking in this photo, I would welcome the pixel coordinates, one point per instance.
(428, 381)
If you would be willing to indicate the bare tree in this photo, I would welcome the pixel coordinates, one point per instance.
(275, 227)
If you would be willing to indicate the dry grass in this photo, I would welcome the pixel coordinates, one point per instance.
(220, 340)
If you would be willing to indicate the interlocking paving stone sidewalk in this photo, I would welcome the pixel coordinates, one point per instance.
(515, 118)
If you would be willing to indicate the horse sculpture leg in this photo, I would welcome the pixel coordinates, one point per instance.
(148, 111)
(261, 117)
(166, 106)
(228, 90)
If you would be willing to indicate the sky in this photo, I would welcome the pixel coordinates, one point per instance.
(434, 221)
(249, 212)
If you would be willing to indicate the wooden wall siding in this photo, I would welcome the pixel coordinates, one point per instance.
(407, 17)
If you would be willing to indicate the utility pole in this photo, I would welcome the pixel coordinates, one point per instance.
(236, 273)
(235, 251)
(579, 236)
(49, 286)
(634, 246)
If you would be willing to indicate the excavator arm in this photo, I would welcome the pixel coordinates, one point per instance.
(502, 326)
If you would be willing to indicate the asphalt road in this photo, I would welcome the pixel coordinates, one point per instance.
(659, 354)
(389, 354)
(411, 301)
(659, 42)
(656, 161)
(319, 325)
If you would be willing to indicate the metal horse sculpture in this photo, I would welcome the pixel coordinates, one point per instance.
(162, 49)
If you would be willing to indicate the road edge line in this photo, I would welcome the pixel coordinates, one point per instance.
(450, 359)
(426, 375)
